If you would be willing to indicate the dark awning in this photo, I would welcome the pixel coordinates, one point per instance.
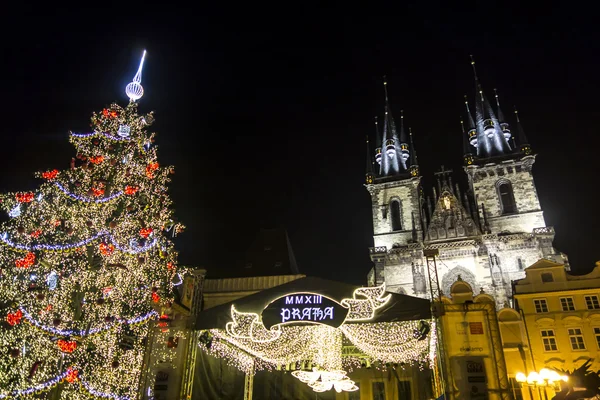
(399, 308)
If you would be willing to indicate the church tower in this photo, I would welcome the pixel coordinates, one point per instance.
(395, 187)
(500, 170)
(485, 235)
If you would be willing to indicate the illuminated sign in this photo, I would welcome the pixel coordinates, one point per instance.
(307, 308)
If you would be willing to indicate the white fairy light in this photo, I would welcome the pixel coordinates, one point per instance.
(134, 90)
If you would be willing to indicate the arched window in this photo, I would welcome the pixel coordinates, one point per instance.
(507, 199)
(396, 217)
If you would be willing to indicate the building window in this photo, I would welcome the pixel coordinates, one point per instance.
(378, 389)
(516, 389)
(404, 390)
(547, 277)
(355, 395)
(507, 199)
(592, 302)
(396, 217)
(567, 304)
(520, 264)
(576, 338)
(541, 306)
(597, 333)
(549, 340)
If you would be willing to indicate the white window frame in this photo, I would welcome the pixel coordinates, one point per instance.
(542, 301)
(596, 304)
(566, 299)
(551, 340)
(577, 334)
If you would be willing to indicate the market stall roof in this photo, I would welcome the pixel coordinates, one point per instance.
(399, 308)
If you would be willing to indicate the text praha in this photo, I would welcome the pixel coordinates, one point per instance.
(304, 308)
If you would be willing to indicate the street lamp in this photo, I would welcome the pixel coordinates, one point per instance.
(541, 379)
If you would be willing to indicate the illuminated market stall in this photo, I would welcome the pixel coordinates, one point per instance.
(314, 338)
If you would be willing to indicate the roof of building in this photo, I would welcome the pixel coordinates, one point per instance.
(269, 254)
(544, 263)
(398, 308)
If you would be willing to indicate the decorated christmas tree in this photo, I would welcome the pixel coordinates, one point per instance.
(86, 264)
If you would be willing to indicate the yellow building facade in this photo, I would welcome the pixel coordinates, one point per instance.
(554, 324)
(561, 318)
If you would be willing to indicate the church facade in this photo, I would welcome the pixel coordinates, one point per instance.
(486, 234)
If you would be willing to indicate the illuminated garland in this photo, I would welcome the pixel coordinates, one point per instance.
(55, 381)
(42, 386)
(246, 344)
(58, 247)
(105, 134)
(97, 393)
(85, 199)
(84, 333)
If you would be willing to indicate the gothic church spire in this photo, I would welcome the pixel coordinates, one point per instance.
(491, 141)
(393, 160)
(523, 142)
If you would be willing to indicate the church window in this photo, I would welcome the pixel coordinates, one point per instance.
(576, 338)
(567, 304)
(520, 263)
(547, 277)
(396, 217)
(507, 199)
(549, 340)
(541, 306)
(592, 302)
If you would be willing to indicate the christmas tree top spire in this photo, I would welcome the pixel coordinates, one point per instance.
(134, 89)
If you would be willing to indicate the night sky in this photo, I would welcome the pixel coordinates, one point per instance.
(264, 112)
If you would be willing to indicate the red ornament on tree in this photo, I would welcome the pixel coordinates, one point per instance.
(36, 233)
(72, 375)
(155, 297)
(145, 232)
(131, 190)
(96, 159)
(26, 261)
(50, 174)
(97, 192)
(66, 346)
(150, 168)
(14, 318)
(106, 249)
(24, 197)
